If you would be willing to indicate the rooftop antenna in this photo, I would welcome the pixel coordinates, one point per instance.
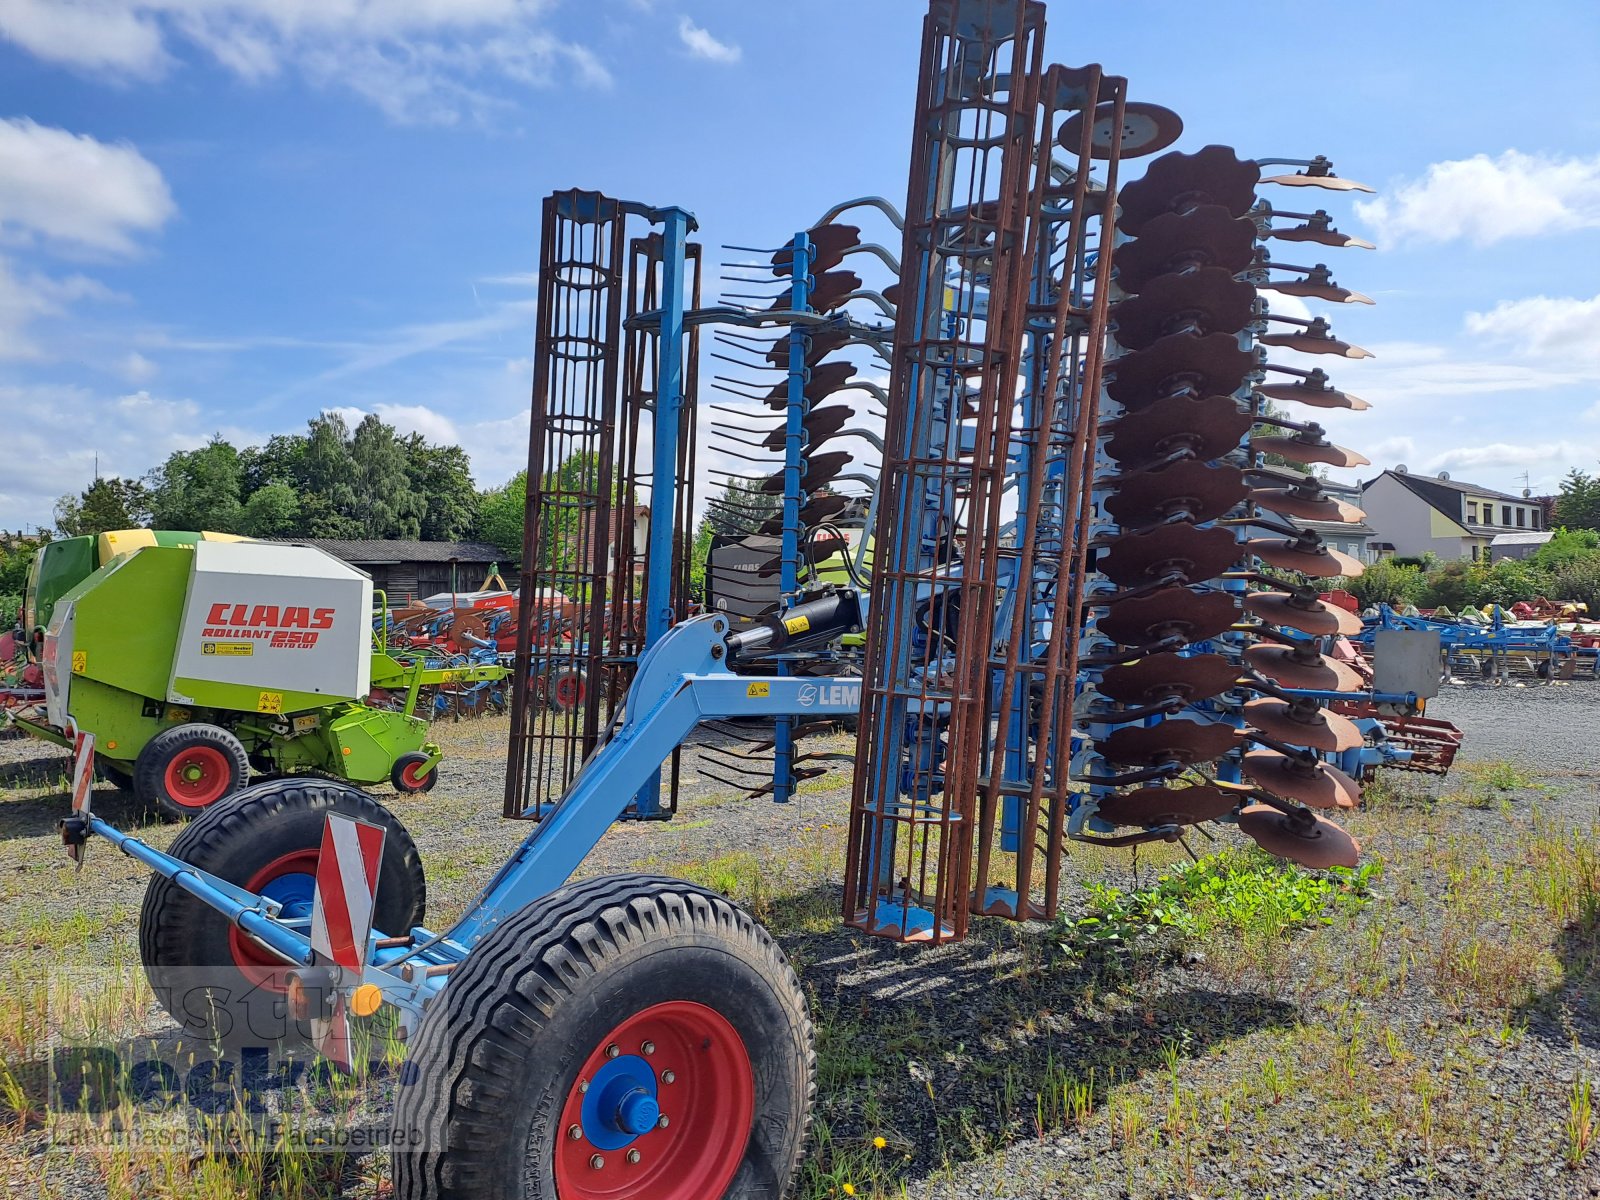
(1527, 487)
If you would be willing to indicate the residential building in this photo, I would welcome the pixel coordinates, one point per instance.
(1422, 514)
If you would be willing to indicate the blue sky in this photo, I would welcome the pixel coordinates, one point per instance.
(228, 215)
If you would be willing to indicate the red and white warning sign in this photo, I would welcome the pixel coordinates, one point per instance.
(82, 770)
(347, 882)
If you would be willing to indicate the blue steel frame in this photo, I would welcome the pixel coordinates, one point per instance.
(682, 680)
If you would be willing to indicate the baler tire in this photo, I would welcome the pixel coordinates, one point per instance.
(192, 953)
(486, 1100)
(114, 773)
(224, 757)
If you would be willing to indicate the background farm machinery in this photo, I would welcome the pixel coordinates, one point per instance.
(1076, 606)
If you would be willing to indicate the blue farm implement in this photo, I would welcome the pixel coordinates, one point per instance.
(1044, 568)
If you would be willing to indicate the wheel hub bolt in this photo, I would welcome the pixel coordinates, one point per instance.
(612, 1051)
(575, 1132)
(597, 1162)
(649, 1047)
(669, 1077)
(663, 1122)
(633, 1156)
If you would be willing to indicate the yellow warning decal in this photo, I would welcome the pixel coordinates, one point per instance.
(80, 661)
(797, 624)
(229, 649)
(270, 702)
(758, 689)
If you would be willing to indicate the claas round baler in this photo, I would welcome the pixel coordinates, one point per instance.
(197, 664)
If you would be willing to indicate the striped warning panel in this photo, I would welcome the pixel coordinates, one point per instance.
(82, 770)
(347, 881)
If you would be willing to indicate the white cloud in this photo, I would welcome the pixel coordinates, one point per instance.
(136, 368)
(701, 44)
(413, 59)
(74, 192)
(71, 431)
(1561, 328)
(24, 298)
(1508, 455)
(1486, 200)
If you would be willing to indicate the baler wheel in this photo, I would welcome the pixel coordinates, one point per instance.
(184, 770)
(411, 773)
(628, 1037)
(218, 984)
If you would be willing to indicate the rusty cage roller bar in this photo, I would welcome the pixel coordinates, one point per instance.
(1024, 793)
(571, 461)
(931, 621)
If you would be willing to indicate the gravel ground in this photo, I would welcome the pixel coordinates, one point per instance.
(1429, 1046)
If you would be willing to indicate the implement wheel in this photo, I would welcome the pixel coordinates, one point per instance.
(184, 770)
(216, 982)
(626, 1038)
(411, 773)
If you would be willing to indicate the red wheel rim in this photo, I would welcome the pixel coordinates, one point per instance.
(569, 691)
(413, 776)
(704, 1087)
(291, 880)
(197, 776)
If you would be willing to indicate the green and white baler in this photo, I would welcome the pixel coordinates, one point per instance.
(194, 665)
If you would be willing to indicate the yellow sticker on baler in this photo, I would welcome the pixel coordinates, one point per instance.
(758, 689)
(80, 661)
(270, 702)
(229, 649)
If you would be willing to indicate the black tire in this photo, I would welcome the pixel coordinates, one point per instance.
(478, 1110)
(189, 949)
(402, 774)
(226, 769)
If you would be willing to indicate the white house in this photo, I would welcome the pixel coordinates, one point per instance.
(1414, 515)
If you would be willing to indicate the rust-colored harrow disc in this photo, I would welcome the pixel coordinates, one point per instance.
(1285, 667)
(1199, 554)
(1318, 230)
(1318, 288)
(1150, 806)
(1305, 179)
(1312, 343)
(1316, 618)
(820, 425)
(1208, 298)
(1145, 129)
(1316, 396)
(1209, 236)
(1315, 845)
(817, 510)
(1208, 428)
(1319, 562)
(1203, 493)
(1316, 785)
(826, 379)
(1185, 742)
(1322, 730)
(1177, 182)
(1153, 679)
(828, 246)
(1308, 450)
(823, 343)
(1171, 611)
(820, 470)
(1206, 366)
(1309, 504)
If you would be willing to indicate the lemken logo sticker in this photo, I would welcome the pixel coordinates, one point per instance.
(831, 695)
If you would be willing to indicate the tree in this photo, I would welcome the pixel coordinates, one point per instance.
(199, 489)
(1578, 505)
(1567, 546)
(281, 460)
(387, 507)
(327, 494)
(441, 477)
(105, 504)
(1385, 582)
(272, 511)
(740, 509)
(502, 512)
